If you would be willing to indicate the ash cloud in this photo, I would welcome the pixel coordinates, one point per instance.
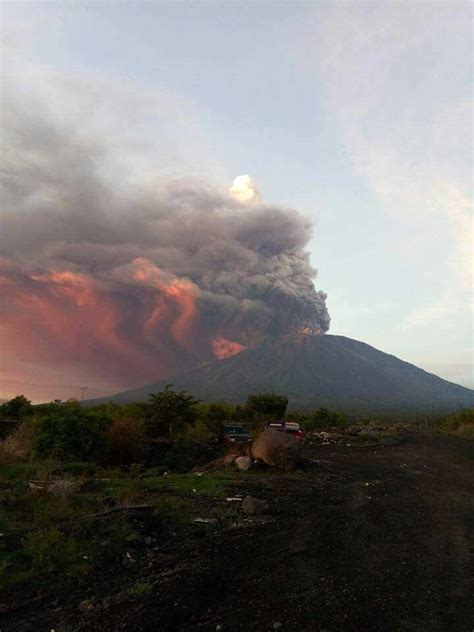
(129, 281)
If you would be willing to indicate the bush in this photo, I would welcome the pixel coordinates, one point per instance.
(16, 408)
(186, 454)
(266, 406)
(140, 589)
(200, 432)
(211, 417)
(460, 423)
(71, 433)
(51, 551)
(323, 418)
(19, 443)
(127, 440)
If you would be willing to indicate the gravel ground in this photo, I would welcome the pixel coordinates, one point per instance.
(377, 538)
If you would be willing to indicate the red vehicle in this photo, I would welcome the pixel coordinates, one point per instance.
(290, 427)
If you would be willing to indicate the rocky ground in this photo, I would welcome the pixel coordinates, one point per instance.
(375, 538)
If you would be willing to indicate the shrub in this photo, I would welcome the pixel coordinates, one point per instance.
(460, 423)
(140, 589)
(71, 433)
(51, 551)
(266, 406)
(199, 432)
(16, 408)
(127, 440)
(212, 416)
(19, 443)
(186, 454)
(324, 418)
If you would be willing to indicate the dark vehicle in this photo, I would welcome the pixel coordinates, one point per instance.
(232, 433)
(290, 427)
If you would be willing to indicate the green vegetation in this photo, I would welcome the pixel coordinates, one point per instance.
(140, 589)
(16, 408)
(71, 433)
(169, 412)
(266, 406)
(460, 423)
(49, 535)
(65, 467)
(321, 419)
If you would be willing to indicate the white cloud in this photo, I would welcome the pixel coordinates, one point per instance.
(244, 189)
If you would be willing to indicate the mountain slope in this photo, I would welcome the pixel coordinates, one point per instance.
(314, 371)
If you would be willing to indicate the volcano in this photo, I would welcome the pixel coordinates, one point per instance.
(313, 371)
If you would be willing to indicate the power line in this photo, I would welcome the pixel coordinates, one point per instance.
(43, 385)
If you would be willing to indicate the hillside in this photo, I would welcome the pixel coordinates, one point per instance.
(317, 371)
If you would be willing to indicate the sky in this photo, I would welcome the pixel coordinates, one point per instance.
(358, 114)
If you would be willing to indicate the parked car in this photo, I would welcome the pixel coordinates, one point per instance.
(290, 427)
(232, 433)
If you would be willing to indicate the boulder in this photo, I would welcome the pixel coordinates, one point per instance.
(254, 506)
(229, 459)
(244, 463)
(277, 449)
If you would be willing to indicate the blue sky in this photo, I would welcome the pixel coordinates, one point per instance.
(356, 113)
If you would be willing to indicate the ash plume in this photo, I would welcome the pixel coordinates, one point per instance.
(128, 281)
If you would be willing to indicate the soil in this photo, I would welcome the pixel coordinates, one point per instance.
(375, 538)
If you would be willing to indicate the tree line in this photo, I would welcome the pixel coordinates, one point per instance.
(71, 431)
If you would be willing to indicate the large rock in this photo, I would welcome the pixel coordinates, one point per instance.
(244, 463)
(277, 449)
(230, 458)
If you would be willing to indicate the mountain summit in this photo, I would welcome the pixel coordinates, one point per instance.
(317, 370)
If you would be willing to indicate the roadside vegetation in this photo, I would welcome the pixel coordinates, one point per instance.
(84, 488)
(459, 423)
(87, 488)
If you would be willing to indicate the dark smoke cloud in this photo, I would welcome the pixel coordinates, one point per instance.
(134, 280)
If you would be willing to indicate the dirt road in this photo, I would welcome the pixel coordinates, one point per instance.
(383, 541)
(381, 538)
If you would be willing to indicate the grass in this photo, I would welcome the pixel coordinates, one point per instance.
(212, 485)
(460, 424)
(49, 537)
(140, 589)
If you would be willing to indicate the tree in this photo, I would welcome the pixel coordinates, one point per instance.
(16, 408)
(214, 415)
(266, 406)
(71, 433)
(48, 408)
(169, 412)
(127, 440)
(325, 418)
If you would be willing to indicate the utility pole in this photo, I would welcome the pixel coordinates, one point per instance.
(83, 390)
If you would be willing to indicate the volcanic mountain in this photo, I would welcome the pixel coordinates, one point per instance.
(313, 371)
